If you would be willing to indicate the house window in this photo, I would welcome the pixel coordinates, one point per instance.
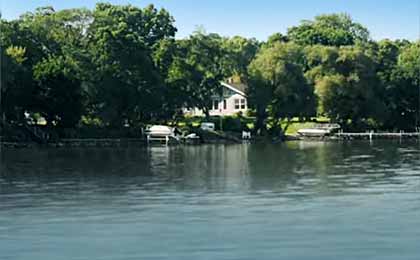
(237, 103)
(215, 104)
(243, 103)
(224, 104)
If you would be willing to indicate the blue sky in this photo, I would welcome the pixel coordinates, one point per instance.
(394, 19)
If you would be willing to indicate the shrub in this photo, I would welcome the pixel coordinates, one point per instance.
(232, 124)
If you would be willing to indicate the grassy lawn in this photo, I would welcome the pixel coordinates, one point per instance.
(294, 126)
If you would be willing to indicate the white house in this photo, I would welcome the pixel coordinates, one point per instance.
(232, 101)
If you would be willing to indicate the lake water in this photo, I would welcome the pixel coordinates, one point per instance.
(298, 200)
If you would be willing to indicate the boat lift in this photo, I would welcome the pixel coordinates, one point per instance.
(161, 134)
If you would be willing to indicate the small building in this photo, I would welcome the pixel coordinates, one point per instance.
(232, 101)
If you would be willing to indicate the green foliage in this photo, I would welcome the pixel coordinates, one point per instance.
(278, 85)
(236, 123)
(16, 75)
(59, 93)
(239, 53)
(196, 70)
(45, 73)
(17, 84)
(409, 62)
(406, 89)
(16, 53)
(332, 30)
(114, 64)
(127, 84)
(276, 38)
(346, 83)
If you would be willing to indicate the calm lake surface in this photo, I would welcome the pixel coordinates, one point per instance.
(299, 200)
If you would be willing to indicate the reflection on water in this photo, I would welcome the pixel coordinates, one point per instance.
(299, 200)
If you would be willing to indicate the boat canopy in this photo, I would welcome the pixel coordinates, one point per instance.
(160, 130)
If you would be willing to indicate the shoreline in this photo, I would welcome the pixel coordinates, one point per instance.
(142, 142)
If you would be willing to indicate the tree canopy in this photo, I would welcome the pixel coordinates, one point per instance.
(119, 64)
(331, 30)
(278, 84)
(120, 39)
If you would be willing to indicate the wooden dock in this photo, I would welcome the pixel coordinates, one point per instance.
(379, 135)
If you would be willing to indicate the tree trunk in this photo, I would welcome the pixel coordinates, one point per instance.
(260, 127)
(206, 112)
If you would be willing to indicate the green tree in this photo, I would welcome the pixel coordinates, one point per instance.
(16, 75)
(44, 36)
(276, 37)
(332, 30)
(239, 52)
(409, 62)
(127, 83)
(16, 82)
(59, 93)
(197, 69)
(392, 89)
(346, 84)
(278, 88)
(408, 75)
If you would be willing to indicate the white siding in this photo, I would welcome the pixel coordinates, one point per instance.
(230, 109)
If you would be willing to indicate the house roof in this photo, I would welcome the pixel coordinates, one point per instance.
(237, 87)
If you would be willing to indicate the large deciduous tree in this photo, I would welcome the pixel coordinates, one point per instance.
(196, 71)
(39, 38)
(278, 87)
(127, 83)
(346, 83)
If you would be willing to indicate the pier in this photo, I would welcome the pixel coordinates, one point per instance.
(372, 135)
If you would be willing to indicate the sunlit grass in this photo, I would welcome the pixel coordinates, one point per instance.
(294, 124)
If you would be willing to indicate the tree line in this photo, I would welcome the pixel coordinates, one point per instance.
(119, 64)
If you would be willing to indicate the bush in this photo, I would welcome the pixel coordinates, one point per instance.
(236, 123)
(101, 132)
(232, 124)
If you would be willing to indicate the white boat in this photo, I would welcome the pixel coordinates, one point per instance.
(161, 133)
(160, 130)
(319, 130)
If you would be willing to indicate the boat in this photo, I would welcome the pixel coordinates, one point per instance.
(319, 130)
(161, 134)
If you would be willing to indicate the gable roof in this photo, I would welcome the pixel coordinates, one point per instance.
(236, 87)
